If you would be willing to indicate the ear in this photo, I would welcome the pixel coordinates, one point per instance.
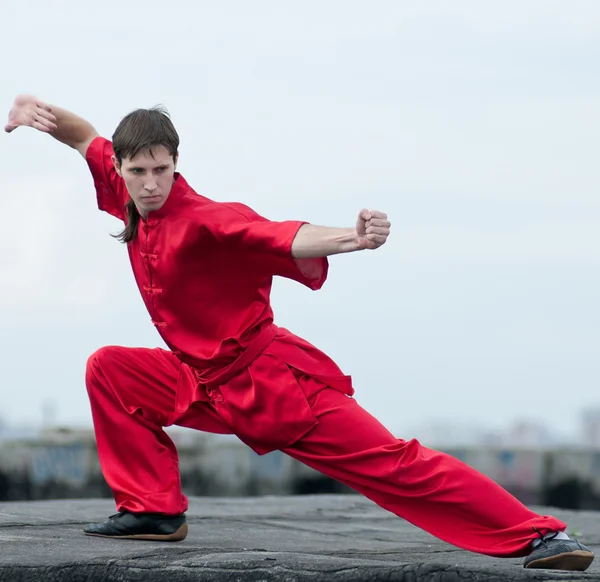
(175, 160)
(117, 166)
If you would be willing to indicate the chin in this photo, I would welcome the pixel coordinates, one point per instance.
(155, 206)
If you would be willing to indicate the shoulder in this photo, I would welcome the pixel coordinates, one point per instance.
(239, 210)
(99, 147)
(98, 156)
(211, 211)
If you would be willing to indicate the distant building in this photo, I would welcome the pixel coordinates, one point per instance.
(590, 428)
(529, 434)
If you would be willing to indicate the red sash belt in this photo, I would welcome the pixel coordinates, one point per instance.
(255, 349)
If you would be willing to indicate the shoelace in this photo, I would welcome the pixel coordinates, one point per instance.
(544, 539)
(119, 514)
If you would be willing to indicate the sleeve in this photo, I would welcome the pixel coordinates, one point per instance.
(268, 245)
(111, 193)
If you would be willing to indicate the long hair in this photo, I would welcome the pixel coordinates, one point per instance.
(141, 130)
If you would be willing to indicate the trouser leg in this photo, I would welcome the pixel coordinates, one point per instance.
(430, 489)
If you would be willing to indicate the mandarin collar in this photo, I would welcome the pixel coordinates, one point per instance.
(179, 188)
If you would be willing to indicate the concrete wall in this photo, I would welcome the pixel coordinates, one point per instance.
(65, 465)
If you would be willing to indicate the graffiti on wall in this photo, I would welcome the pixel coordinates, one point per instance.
(59, 463)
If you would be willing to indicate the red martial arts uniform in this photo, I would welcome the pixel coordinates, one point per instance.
(205, 270)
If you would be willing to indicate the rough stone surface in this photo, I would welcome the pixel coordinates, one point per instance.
(341, 538)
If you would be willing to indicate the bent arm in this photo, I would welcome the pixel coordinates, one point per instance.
(371, 231)
(313, 241)
(73, 130)
(77, 133)
(66, 127)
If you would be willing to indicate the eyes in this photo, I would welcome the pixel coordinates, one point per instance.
(142, 171)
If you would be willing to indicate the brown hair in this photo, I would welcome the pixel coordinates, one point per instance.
(142, 130)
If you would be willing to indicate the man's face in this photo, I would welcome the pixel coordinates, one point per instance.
(148, 177)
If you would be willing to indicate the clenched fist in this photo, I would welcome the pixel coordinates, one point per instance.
(372, 229)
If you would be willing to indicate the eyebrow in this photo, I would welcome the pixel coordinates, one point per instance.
(154, 168)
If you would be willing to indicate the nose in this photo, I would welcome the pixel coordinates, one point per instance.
(151, 185)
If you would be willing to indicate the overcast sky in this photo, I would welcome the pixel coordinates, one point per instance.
(474, 125)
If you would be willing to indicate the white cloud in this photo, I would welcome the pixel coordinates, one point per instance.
(47, 241)
(33, 218)
(473, 124)
(85, 291)
(554, 242)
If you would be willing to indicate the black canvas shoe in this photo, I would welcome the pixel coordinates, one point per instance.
(556, 554)
(140, 526)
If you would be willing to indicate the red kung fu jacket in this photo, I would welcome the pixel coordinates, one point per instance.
(205, 270)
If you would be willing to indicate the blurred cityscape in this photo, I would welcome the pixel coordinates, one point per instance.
(520, 433)
(539, 464)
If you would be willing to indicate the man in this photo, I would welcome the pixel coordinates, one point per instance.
(204, 270)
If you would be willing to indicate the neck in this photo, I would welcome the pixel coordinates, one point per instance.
(142, 213)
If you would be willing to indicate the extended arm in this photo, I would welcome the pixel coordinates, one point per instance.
(66, 127)
(371, 231)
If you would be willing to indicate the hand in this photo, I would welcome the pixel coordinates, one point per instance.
(30, 112)
(372, 229)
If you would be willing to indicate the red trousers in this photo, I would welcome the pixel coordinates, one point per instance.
(133, 395)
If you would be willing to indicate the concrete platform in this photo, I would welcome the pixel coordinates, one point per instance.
(307, 538)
